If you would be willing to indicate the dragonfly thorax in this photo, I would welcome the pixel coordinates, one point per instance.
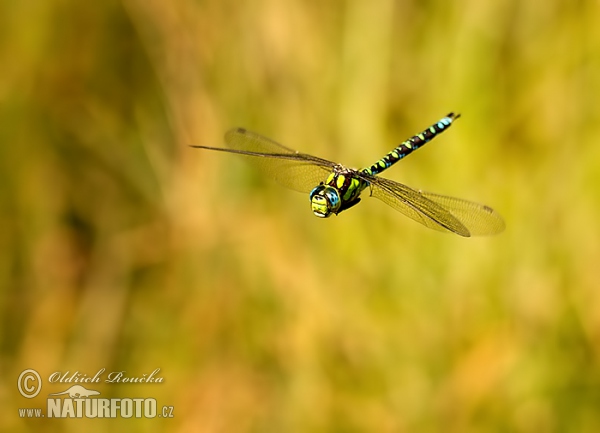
(339, 192)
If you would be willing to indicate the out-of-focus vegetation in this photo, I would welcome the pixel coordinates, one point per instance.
(124, 249)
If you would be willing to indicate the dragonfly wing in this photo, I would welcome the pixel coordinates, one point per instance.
(297, 175)
(292, 169)
(248, 141)
(479, 219)
(417, 206)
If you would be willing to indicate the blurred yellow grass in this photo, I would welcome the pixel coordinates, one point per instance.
(127, 250)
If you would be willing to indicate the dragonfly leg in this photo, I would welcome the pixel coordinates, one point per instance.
(370, 190)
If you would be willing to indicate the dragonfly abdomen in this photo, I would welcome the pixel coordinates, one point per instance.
(410, 145)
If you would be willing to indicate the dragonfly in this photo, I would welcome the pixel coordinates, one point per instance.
(333, 188)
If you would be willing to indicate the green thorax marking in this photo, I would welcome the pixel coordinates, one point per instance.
(348, 184)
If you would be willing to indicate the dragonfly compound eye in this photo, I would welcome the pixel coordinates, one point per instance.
(325, 200)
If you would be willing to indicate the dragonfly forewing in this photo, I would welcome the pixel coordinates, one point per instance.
(292, 169)
(416, 206)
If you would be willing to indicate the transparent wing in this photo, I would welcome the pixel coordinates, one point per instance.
(247, 141)
(416, 206)
(479, 219)
(292, 169)
(436, 211)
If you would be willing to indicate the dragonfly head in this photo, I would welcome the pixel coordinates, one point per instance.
(325, 200)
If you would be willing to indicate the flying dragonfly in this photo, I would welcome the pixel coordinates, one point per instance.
(334, 188)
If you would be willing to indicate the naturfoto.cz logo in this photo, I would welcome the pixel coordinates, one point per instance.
(78, 401)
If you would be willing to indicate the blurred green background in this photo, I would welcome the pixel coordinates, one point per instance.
(125, 249)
